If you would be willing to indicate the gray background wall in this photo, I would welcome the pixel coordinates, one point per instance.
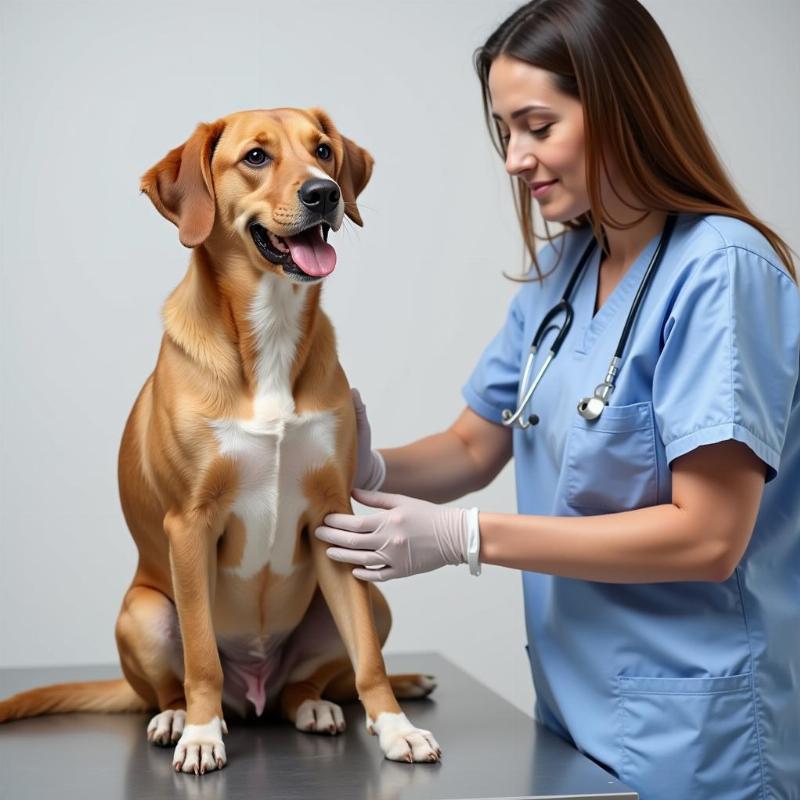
(93, 93)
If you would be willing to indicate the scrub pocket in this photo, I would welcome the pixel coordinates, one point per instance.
(611, 463)
(689, 738)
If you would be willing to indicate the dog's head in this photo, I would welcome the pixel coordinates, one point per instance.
(271, 183)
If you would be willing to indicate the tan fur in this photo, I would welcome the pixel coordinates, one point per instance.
(106, 696)
(177, 488)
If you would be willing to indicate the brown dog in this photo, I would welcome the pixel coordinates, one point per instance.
(238, 445)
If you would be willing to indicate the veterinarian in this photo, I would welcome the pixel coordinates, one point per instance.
(658, 524)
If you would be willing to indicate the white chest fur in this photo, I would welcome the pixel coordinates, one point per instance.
(276, 447)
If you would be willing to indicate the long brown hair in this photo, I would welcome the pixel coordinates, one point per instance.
(612, 57)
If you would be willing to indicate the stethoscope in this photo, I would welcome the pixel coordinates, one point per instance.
(589, 407)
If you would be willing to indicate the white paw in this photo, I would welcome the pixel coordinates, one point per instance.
(200, 748)
(401, 741)
(166, 728)
(319, 716)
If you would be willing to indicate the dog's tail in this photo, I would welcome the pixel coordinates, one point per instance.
(62, 698)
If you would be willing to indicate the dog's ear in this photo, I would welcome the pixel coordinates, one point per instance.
(355, 168)
(181, 186)
(353, 176)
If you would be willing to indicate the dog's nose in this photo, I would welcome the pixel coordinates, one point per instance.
(320, 195)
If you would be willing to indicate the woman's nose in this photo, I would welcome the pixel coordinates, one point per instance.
(518, 158)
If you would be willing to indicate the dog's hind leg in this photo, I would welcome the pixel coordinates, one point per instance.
(148, 640)
(315, 655)
(302, 702)
(320, 673)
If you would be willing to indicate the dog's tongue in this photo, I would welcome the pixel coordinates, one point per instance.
(311, 253)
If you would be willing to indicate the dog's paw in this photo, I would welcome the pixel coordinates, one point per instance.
(319, 716)
(401, 741)
(166, 728)
(200, 748)
(412, 687)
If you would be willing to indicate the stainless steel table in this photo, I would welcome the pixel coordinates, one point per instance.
(491, 750)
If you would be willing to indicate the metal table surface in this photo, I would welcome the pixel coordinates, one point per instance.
(491, 750)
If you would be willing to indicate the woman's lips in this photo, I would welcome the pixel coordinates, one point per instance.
(540, 188)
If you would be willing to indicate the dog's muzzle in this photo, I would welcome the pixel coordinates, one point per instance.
(305, 256)
(321, 196)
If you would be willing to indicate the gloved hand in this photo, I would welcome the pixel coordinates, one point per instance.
(370, 466)
(408, 537)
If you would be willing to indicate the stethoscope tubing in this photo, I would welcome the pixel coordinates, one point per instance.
(603, 390)
(655, 261)
(563, 305)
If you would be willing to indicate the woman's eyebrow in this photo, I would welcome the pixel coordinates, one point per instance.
(526, 110)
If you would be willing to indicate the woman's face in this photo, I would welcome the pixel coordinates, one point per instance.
(543, 133)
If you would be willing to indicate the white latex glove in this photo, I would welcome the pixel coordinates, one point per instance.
(370, 466)
(408, 537)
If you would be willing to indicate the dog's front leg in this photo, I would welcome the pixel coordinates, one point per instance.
(349, 602)
(193, 563)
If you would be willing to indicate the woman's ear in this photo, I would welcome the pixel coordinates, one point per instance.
(181, 186)
(355, 167)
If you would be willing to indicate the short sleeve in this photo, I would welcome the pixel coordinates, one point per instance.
(492, 386)
(728, 368)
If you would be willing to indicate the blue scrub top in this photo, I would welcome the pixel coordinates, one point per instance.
(685, 690)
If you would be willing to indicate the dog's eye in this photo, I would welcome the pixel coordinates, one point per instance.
(256, 157)
(324, 152)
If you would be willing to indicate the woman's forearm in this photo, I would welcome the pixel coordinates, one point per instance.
(438, 468)
(659, 543)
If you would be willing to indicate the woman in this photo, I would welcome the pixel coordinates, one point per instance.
(660, 541)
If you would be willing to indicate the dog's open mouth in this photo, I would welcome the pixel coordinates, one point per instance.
(306, 256)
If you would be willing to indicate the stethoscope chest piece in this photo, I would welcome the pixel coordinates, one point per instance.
(591, 407)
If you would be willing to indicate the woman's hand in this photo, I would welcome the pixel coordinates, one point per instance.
(370, 466)
(408, 537)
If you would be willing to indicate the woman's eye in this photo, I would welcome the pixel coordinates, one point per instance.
(324, 152)
(538, 132)
(256, 157)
